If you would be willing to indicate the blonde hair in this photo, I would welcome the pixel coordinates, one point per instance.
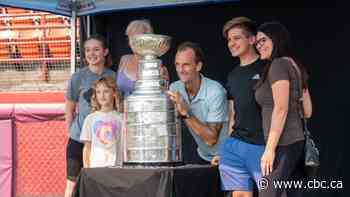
(142, 25)
(110, 83)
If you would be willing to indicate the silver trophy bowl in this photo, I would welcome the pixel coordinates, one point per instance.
(153, 131)
(150, 44)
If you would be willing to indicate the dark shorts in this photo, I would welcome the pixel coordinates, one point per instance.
(74, 157)
(285, 168)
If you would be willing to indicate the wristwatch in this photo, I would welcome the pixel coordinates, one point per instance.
(184, 117)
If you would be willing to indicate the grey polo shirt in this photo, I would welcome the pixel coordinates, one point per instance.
(79, 91)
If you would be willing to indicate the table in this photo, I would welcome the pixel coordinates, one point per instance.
(181, 181)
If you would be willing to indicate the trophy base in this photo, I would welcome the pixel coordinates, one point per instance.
(152, 164)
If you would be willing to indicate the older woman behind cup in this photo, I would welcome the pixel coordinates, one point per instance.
(128, 66)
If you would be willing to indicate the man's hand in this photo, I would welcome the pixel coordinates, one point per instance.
(179, 103)
(215, 160)
(208, 132)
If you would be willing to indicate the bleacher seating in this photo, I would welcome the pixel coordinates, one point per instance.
(4, 48)
(27, 35)
(4, 51)
(17, 11)
(28, 43)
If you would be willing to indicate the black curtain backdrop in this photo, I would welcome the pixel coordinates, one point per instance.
(321, 37)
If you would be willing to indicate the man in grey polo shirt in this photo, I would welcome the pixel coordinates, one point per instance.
(200, 102)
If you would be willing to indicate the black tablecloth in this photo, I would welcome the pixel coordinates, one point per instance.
(182, 181)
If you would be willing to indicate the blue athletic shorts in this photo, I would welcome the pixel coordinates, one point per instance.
(239, 165)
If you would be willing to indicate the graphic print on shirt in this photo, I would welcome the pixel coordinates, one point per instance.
(106, 131)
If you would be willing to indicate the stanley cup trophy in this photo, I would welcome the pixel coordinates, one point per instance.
(153, 134)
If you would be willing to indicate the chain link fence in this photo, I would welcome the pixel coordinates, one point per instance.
(34, 50)
(40, 159)
(35, 56)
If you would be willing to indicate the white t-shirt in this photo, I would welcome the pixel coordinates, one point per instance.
(104, 131)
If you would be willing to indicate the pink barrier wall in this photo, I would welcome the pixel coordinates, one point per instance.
(32, 112)
(39, 146)
(6, 158)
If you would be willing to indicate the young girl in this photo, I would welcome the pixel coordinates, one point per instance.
(102, 128)
(96, 58)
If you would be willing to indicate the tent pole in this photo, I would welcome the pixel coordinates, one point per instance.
(88, 26)
(73, 37)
